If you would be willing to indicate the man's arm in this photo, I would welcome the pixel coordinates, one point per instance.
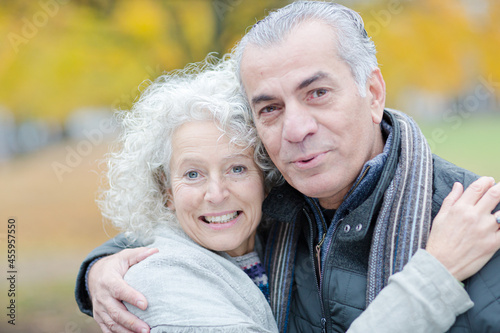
(103, 269)
(110, 247)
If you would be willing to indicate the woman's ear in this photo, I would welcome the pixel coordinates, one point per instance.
(161, 181)
(170, 200)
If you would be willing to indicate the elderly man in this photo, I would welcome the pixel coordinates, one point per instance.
(362, 187)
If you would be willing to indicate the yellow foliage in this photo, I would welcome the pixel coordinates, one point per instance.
(141, 19)
(196, 25)
(431, 45)
(55, 60)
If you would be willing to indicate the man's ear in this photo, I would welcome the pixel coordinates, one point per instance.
(376, 95)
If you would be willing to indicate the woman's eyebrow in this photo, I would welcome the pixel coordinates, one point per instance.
(237, 156)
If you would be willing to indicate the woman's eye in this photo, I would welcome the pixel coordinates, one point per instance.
(192, 174)
(238, 169)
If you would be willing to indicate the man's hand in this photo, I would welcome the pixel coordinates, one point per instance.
(465, 234)
(107, 289)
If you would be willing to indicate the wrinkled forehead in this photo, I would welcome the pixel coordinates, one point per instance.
(299, 38)
(199, 135)
(289, 62)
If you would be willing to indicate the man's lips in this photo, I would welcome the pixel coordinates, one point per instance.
(309, 161)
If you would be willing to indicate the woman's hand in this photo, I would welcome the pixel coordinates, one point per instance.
(108, 289)
(465, 234)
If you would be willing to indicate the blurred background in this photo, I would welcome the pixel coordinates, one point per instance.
(65, 65)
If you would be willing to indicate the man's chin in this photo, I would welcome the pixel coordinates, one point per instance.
(321, 188)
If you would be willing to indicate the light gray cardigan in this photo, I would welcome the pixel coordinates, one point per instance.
(192, 289)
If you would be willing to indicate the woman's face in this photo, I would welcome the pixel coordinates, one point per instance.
(217, 189)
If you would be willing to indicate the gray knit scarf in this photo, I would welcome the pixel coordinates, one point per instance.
(404, 219)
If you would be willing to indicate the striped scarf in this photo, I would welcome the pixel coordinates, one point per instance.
(279, 262)
(404, 220)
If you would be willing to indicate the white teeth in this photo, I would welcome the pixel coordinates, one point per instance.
(221, 218)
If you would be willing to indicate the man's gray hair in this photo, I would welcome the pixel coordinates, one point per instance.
(138, 174)
(353, 44)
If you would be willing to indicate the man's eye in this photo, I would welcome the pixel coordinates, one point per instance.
(268, 109)
(238, 169)
(318, 93)
(192, 174)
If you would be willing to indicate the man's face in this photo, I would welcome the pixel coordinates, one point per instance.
(315, 126)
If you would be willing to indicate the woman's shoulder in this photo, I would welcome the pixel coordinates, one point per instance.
(178, 256)
(195, 286)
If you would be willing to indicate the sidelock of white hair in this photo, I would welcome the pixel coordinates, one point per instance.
(138, 174)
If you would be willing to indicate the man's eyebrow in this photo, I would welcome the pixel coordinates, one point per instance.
(266, 98)
(310, 80)
(262, 98)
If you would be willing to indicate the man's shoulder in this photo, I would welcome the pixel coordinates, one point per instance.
(484, 286)
(445, 174)
(484, 291)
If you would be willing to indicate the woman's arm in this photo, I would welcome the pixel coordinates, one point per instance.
(424, 297)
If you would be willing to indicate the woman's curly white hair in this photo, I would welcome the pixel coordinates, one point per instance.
(138, 173)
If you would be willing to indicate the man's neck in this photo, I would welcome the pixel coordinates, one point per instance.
(335, 201)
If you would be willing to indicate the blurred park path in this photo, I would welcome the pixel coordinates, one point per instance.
(58, 223)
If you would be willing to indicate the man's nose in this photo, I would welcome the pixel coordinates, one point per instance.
(298, 123)
(216, 191)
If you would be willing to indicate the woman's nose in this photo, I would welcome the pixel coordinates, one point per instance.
(216, 191)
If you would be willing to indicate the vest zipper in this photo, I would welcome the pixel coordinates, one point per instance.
(317, 272)
(318, 254)
(320, 243)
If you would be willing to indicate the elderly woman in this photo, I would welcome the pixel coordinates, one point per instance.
(189, 179)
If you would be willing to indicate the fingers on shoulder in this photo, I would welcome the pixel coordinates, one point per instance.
(136, 255)
(476, 190)
(490, 199)
(456, 191)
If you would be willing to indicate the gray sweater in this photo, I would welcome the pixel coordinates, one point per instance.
(192, 289)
